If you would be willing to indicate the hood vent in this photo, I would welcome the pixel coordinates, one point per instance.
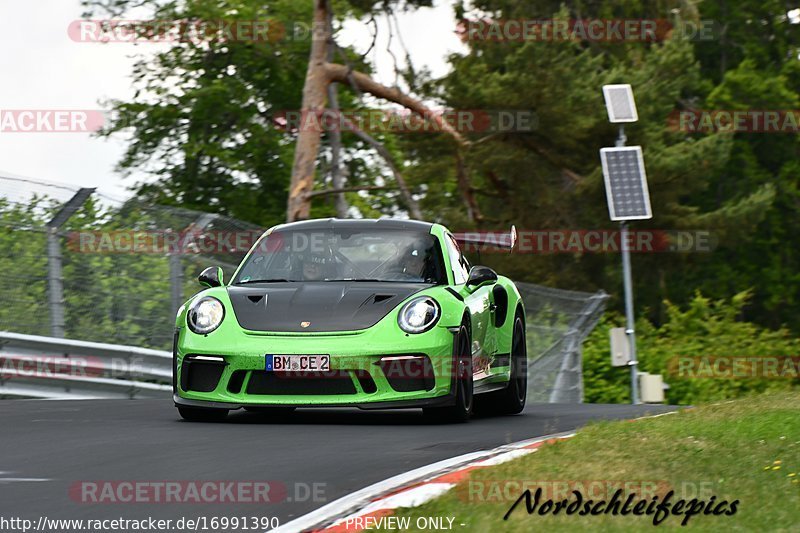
(321, 306)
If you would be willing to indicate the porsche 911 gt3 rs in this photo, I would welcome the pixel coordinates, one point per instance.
(374, 314)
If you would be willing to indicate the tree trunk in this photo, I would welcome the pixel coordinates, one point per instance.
(314, 100)
(364, 83)
(337, 172)
(319, 75)
(465, 186)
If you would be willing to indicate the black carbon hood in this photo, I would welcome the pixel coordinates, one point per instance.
(320, 306)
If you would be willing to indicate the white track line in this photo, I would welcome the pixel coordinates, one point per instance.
(415, 487)
(19, 479)
(355, 502)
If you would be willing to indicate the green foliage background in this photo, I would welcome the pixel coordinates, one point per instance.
(202, 124)
(703, 328)
(118, 298)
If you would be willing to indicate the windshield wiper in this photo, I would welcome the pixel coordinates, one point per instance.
(356, 279)
(273, 280)
(374, 280)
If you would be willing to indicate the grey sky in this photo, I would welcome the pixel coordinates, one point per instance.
(43, 69)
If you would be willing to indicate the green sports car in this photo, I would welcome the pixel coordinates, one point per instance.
(374, 314)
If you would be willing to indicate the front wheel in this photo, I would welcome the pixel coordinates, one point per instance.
(462, 383)
(200, 414)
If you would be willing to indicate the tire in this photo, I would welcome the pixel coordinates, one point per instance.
(511, 400)
(200, 414)
(462, 382)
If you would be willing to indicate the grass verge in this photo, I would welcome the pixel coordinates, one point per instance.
(746, 450)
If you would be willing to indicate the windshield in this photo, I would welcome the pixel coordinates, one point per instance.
(345, 255)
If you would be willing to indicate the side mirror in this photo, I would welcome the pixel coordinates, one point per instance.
(211, 277)
(480, 276)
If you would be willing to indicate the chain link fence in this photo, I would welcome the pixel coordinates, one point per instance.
(123, 267)
(558, 321)
(104, 270)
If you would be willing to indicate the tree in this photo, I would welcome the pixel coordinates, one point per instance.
(205, 120)
(202, 120)
(549, 178)
(320, 74)
(211, 138)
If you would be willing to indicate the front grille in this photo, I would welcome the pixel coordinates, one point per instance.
(291, 383)
(236, 381)
(409, 373)
(200, 376)
(365, 380)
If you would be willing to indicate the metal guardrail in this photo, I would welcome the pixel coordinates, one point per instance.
(32, 366)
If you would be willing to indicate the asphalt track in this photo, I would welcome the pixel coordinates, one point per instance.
(46, 447)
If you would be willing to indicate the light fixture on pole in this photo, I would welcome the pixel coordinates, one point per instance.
(628, 199)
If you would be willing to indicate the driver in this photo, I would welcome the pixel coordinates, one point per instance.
(313, 267)
(413, 263)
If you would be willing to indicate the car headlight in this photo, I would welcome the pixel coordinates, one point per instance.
(205, 315)
(418, 315)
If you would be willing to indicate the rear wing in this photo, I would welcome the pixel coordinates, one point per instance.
(481, 240)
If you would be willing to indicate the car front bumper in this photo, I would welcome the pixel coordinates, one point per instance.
(368, 369)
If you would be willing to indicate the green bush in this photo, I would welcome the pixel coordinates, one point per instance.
(704, 329)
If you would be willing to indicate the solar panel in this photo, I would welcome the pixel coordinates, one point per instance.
(626, 183)
(620, 104)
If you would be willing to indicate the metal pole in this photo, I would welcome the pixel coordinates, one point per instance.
(176, 273)
(630, 331)
(622, 138)
(628, 287)
(55, 280)
(176, 280)
(55, 283)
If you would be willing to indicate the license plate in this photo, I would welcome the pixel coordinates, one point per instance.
(297, 363)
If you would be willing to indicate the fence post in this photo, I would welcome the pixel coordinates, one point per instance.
(55, 285)
(176, 265)
(55, 277)
(176, 280)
